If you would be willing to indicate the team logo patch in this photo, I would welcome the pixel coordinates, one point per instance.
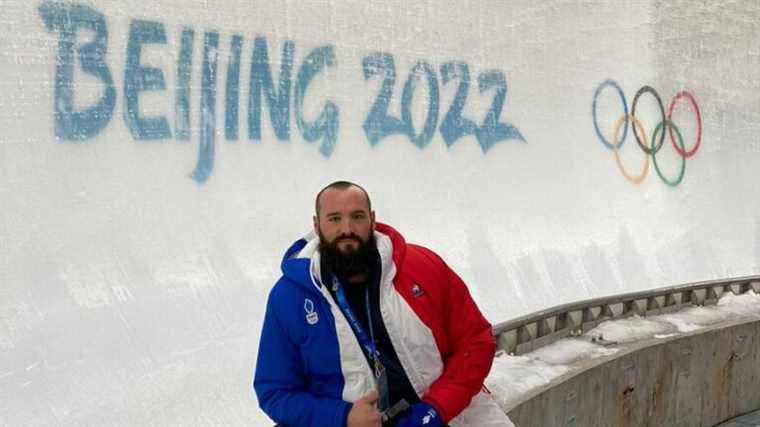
(417, 291)
(427, 418)
(311, 315)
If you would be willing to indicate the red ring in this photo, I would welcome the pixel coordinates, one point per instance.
(682, 152)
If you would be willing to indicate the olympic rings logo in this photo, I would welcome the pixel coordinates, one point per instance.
(658, 134)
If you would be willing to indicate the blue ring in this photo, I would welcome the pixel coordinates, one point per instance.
(606, 143)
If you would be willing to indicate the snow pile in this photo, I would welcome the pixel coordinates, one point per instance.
(512, 377)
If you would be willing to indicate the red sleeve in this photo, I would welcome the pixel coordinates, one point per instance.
(470, 352)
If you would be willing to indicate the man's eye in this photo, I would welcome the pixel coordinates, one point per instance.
(333, 219)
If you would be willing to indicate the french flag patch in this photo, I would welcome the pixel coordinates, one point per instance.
(417, 291)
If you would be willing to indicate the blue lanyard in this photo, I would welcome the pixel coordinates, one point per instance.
(381, 377)
(367, 342)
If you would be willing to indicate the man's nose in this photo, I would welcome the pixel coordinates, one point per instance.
(345, 226)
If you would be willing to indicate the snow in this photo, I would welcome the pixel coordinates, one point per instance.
(132, 293)
(513, 377)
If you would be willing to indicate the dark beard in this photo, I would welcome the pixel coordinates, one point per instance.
(355, 263)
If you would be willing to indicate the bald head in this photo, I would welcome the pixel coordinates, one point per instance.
(340, 186)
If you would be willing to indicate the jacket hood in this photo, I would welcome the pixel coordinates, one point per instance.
(301, 263)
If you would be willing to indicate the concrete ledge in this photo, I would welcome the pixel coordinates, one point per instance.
(696, 379)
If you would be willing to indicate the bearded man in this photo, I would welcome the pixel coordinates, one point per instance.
(364, 329)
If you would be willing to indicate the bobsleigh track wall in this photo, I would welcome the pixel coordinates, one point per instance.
(699, 376)
(158, 157)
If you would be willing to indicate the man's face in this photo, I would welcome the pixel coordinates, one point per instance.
(344, 221)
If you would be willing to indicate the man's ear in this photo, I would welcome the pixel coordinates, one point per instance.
(372, 217)
(315, 222)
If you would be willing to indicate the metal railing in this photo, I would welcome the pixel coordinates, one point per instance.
(535, 330)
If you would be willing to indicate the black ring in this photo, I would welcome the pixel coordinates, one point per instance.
(655, 147)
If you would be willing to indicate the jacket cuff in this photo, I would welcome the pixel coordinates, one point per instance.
(438, 408)
(342, 413)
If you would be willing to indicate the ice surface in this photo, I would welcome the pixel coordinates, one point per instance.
(132, 289)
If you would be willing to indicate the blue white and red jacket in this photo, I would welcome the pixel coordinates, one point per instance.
(310, 367)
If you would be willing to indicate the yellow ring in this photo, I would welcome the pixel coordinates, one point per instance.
(645, 171)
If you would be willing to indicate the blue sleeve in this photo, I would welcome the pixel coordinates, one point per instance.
(281, 384)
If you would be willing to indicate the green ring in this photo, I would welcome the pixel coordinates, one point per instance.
(660, 127)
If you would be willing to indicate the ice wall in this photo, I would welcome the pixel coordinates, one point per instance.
(158, 157)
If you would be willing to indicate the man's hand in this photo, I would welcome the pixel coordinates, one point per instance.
(364, 413)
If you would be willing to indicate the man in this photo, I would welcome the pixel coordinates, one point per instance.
(364, 329)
